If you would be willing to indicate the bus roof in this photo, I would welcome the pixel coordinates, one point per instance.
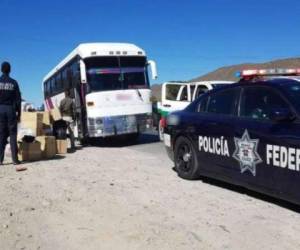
(85, 50)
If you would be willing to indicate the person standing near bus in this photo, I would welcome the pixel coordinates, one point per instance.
(67, 108)
(10, 114)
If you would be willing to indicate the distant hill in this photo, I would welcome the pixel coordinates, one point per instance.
(227, 73)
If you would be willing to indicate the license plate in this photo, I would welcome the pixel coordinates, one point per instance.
(123, 97)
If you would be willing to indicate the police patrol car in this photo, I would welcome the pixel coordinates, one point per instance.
(247, 133)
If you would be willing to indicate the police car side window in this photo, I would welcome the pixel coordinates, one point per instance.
(258, 102)
(223, 102)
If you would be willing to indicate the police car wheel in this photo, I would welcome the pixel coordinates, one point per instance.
(186, 162)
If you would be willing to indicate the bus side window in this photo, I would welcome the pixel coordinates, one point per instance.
(46, 88)
(60, 83)
(52, 86)
(65, 79)
(69, 76)
(57, 83)
(75, 73)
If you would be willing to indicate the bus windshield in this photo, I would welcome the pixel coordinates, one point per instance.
(117, 73)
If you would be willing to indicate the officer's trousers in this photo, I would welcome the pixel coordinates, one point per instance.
(70, 128)
(8, 128)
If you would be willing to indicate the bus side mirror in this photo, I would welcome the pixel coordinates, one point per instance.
(153, 69)
(82, 72)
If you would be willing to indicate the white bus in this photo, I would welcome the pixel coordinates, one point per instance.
(110, 85)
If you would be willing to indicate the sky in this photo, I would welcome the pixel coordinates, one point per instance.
(185, 38)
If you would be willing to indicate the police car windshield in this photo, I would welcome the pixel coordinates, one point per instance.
(292, 91)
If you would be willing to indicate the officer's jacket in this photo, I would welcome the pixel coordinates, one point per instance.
(67, 107)
(10, 92)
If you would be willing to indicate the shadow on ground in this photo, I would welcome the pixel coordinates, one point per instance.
(124, 141)
(56, 157)
(250, 193)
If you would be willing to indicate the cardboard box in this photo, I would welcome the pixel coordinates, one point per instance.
(48, 146)
(47, 124)
(29, 151)
(32, 122)
(61, 146)
(55, 114)
(23, 131)
(46, 118)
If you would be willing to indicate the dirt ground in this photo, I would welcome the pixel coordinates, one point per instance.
(130, 198)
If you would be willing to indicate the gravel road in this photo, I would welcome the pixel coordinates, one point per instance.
(114, 197)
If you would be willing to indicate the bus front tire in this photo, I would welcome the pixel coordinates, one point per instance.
(84, 141)
(133, 137)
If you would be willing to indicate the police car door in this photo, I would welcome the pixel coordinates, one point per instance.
(253, 132)
(215, 133)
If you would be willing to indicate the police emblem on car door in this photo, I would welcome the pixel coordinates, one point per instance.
(246, 153)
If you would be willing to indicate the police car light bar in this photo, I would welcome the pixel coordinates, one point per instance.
(248, 73)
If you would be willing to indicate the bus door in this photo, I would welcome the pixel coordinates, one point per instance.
(80, 111)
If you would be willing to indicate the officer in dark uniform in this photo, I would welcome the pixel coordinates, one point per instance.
(10, 112)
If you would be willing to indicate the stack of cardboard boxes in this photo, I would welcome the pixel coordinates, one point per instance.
(39, 126)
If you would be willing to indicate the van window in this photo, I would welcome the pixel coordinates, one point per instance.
(202, 105)
(201, 89)
(184, 94)
(172, 91)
